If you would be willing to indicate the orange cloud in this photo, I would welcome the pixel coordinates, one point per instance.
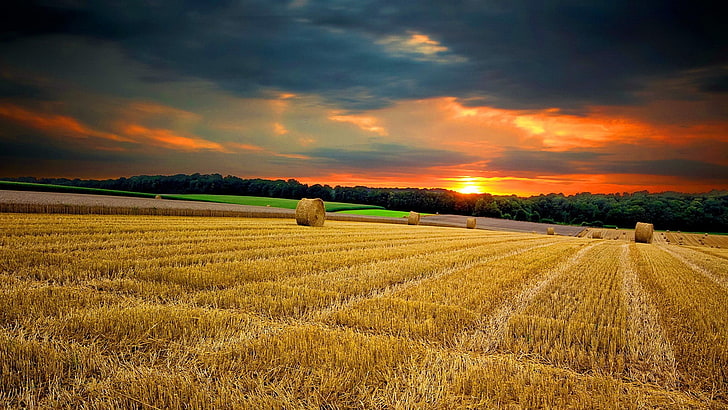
(261, 150)
(55, 124)
(306, 141)
(291, 156)
(561, 132)
(154, 109)
(244, 147)
(168, 139)
(281, 102)
(366, 123)
(279, 129)
(420, 47)
(625, 132)
(424, 44)
(286, 96)
(554, 130)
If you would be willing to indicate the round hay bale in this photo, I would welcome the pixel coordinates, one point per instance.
(413, 218)
(597, 235)
(470, 223)
(158, 197)
(310, 212)
(550, 231)
(643, 232)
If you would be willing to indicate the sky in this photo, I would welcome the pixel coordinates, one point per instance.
(505, 96)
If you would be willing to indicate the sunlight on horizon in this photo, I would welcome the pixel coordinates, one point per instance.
(468, 185)
(471, 189)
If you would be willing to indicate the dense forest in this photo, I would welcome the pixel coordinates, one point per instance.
(669, 210)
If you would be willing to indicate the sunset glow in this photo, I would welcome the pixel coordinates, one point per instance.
(471, 189)
(447, 100)
(468, 185)
(169, 139)
(365, 123)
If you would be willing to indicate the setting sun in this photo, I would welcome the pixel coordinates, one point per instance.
(471, 189)
(468, 185)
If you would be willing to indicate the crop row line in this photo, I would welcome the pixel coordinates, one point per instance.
(651, 355)
(400, 287)
(720, 281)
(486, 335)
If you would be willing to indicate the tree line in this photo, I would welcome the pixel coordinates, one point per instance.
(668, 210)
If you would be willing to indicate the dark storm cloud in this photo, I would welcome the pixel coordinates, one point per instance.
(36, 149)
(585, 162)
(543, 162)
(32, 148)
(389, 156)
(717, 84)
(515, 54)
(690, 169)
(18, 90)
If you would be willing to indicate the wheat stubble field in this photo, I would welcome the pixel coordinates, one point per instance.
(171, 312)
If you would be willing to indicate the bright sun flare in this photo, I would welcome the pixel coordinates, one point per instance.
(471, 189)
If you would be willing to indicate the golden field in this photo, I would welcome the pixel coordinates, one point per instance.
(162, 312)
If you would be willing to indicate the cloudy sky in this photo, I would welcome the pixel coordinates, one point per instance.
(502, 96)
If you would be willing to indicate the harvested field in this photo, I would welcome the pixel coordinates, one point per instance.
(495, 224)
(692, 239)
(714, 241)
(604, 233)
(114, 311)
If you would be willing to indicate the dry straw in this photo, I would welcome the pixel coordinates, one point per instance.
(125, 210)
(471, 222)
(596, 235)
(310, 212)
(413, 218)
(643, 232)
(550, 231)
